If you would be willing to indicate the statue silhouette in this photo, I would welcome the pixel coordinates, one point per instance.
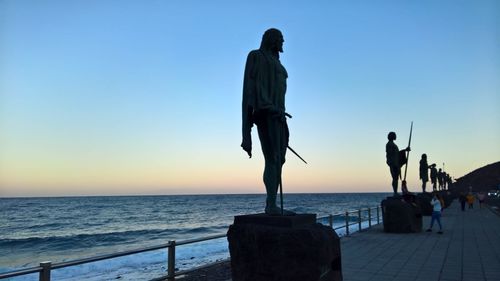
(434, 174)
(395, 159)
(424, 171)
(263, 104)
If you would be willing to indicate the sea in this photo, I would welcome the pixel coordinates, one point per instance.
(58, 229)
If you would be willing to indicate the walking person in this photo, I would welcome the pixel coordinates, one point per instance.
(470, 200)
(436, 213)
(462, 199)
(481, 196)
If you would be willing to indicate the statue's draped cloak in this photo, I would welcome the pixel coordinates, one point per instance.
(262, 90)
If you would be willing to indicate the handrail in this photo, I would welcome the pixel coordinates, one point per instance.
(45, 267)
(191, 241)
(108, 256)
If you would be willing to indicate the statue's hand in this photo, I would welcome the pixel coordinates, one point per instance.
(247, 146)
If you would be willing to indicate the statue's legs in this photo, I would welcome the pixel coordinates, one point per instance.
(395, 178)
(424, 182)
(271, 137)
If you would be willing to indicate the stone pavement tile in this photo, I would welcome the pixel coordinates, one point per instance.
(473, 277)
(382, 277)
(492, 276)
(451, 275)
(405, 277)
(428, 275)
(427, 278)
(359, 276)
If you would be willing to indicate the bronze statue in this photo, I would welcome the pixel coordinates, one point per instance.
(424, 171)
(395, 159)
(434, 173)
(440, 178)
(264, 90)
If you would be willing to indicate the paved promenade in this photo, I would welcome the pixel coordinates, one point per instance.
(469, 249)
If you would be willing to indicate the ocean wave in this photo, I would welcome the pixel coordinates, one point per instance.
(102, 239)
(83, 240)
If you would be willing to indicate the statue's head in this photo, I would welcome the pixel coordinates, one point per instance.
(391, 136)
(424, 156)
(272, 40)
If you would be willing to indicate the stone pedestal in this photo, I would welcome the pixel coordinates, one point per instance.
(447, 198)
(424, 201)
(400, 216)
(283, 248)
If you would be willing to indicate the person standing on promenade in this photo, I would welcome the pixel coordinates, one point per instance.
(462, 199)
(424, 173)
(395, 159)
(481, 196)
(470, 200)
(436, 213)
(264, 88)
(433, 176)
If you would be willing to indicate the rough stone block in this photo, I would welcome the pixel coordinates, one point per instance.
(400, 216)
(424, 201)
(283, 248)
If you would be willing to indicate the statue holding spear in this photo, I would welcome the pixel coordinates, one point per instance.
(395, 159)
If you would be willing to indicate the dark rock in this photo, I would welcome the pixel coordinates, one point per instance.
(400, 216)
(482, 179)
(299, 249)
(424, 201)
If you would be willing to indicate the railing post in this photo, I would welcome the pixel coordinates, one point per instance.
(347, 223)
(330, 221)
(359, 220)
(171, 260)
(45, 273)
(369, 217)
(378, 215)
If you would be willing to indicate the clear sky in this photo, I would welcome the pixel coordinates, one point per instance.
(144, 97)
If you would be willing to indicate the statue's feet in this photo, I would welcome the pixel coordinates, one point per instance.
(276, 211)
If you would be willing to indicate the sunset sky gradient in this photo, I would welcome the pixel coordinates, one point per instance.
(144, 97)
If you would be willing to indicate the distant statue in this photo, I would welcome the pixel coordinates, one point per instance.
(434, 174)
(395, 159)
(450, 182)
(440, 178)
(424, 171)
(264, 90)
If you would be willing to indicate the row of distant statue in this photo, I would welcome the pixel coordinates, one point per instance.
(263, 105)
(396, 159)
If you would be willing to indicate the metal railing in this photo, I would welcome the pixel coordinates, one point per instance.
(45, 268)
(346, 220)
